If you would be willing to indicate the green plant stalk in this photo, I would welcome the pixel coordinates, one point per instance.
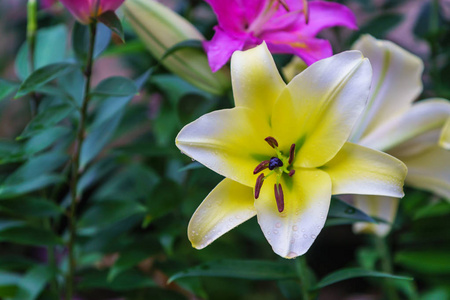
(31, 41)
(302, 272)
(386, 266)
(76, 163)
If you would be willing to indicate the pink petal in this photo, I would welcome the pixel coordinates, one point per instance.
(235, 16)
(221, 47)
(106, 5)
(80, 9)
(323, 15)
(308, 49)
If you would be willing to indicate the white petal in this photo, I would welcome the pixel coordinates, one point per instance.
(307, 199)
(444, 140)
(384, 208)
(359, 170)
(423, 116)
(320, 106)
(228, 205)
(230, 142)
(395, 85)
(256, 80)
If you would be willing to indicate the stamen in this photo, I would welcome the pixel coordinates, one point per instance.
(291, 172)
(271, 141)
(291, 153)
(258, 185)
(263, 165)
(306, 11)
(275, 162)
(284, 4)
(279, 197)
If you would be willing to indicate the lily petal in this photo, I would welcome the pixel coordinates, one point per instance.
(430, 170)
(256, 81)
(444, 140)
(359, 170)
(221, 47)
(376, 206)
(230, 142)
(306, 202)
(309, 49)
(324, 14)
(395, 85)
(320, 106)
(423, 116)
(228, 205)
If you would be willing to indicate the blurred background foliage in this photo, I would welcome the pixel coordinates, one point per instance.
(139, 192)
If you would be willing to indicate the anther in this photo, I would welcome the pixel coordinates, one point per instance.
(279, 197)
(271, 141)
(263, 165)
(275, 162)
(291, 173)
(291, 153)
(258, 185)
(306, 11)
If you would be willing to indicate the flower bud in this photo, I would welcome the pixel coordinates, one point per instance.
(86, 10)
(160, 29)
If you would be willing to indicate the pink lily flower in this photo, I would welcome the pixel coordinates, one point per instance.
(85, 10)
(287, 26)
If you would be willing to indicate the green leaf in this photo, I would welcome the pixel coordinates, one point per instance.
(7, 88)
(434, 210)
(80, 40)
(341, 209)
(50, 48)
(28, 235)
(110, 19)
(425, 261)
(349, 273)
(47, 118)
(106, 213)
(192, 166)
(45, 139)
(8, 284)
(129, 280)
(126, 260)
(245, 269)
(116, 86)
(33, 207)
(195, 44)
(37, 183)
(33, 283)
(379, 26)
(42, 76)
(102, 134)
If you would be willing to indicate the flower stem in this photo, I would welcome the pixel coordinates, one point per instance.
(302, 273)
(386, 266)
(31, 41)
(76, 162)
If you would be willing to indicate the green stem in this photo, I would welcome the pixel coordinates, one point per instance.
(76, 163)
(386, 266)
(52, 260)
(302, 272)
(31, 41)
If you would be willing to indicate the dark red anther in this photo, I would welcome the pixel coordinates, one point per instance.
(279, 197)
(306, 11)
(263, 165)
(258, 185)
(291, 172)
(271, 141)
(291, 153)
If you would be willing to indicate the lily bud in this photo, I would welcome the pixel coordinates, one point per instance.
(87, 10)
(160, 29)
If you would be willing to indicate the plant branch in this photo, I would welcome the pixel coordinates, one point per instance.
(76, 162)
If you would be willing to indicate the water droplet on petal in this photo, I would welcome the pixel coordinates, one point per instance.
(305, 236)
(292, 255)
(313, 236)
(295, 227)
(278, 225)
(275, 231)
